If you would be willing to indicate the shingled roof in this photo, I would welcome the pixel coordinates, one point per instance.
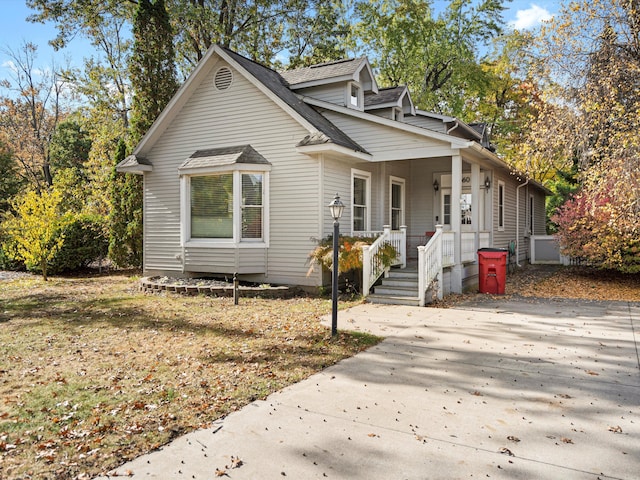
(271, 79)
(323, 71)
(384, 96)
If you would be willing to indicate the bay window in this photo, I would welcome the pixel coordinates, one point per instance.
(224, 198)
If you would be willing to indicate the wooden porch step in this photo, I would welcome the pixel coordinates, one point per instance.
(400, 287)
(394, 300)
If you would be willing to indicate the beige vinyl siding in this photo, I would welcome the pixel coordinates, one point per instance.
(501, 239)
(539, 212)
(241, 260)
(337, 179)
(240, 115)
(333, 93)
(426, 122)
(380, 139)
(424, 201)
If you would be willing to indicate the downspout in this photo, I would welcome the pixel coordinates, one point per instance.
(518, 221)
(456, 125)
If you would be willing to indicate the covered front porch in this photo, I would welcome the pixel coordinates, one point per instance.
(437, 213)
(417, 276)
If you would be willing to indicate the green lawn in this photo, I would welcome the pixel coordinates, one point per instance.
(94, 373)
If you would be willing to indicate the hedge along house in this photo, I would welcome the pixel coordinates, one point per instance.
(240, 167)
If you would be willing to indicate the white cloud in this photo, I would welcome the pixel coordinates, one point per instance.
(531, 17)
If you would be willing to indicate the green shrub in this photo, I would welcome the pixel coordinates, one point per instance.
(85, 240)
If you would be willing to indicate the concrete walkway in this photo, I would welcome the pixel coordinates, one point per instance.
(512, 389)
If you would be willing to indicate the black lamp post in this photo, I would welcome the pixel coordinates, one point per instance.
(336, 207)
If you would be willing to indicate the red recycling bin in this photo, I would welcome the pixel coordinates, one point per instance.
(492, 275)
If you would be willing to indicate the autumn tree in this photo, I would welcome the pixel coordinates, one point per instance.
(593, 49)
(10, 180)
(29, 113)
(34, 228)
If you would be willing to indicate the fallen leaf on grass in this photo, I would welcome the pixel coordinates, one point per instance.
(616, 429)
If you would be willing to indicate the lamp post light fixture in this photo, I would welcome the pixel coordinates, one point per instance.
(336, 207)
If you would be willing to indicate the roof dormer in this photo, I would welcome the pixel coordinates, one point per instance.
(393, 103)
(343, 82)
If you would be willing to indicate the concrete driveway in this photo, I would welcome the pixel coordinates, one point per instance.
(492, 389)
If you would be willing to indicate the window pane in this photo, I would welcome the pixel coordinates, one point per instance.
(212, 206)
(446, 202)
(251, 189)
(395, 219)
(501, 206)
(359, 219)
(359, 191)
(396, 195)
(252, 205)
(465, 208)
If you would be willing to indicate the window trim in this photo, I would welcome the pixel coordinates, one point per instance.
(502, 192)
(364, 175)
(236, 241)
(398, 181)
(359, 97)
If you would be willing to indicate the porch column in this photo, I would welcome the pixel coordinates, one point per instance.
(456, 221)
(475, 202)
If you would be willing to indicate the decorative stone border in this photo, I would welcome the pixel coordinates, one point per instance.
(214, 288)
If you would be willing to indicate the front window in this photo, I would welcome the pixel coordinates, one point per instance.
(226, 206)
(361, 194)
(500, 206)
(466, 201)
(252, 206)
(212, 206)
(446, 208)
(531, 217)
(397, 203)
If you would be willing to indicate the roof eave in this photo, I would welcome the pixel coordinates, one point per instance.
(315, 149)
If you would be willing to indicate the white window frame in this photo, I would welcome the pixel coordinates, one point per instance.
(364, 175)
(236, 241)
(501, 206)
(359, 97)
(397, 181)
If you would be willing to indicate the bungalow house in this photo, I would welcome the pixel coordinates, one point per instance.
(240, 167)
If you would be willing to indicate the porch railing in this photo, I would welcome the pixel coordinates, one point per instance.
(448, 248)
(372, 266)
(430, 264)
(468, 247)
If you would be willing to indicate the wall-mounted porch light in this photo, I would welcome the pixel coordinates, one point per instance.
(487, 183)
(436, 185)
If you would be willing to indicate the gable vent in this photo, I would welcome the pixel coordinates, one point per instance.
(223, 78)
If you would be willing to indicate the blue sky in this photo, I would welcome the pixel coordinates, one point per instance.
(14, 30)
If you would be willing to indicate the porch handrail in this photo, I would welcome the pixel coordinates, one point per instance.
(430, 264)
(372, 267)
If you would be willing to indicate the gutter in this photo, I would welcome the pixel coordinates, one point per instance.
(518, 221)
